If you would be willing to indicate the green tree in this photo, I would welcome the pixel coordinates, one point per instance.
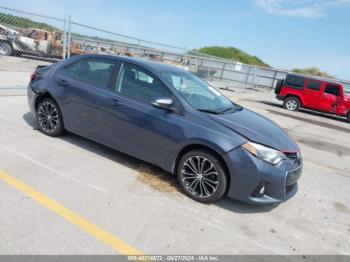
(312, 71)
(17, 21)
(232, 53)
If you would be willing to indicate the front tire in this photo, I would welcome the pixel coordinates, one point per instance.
(348, 117)
(6, 49)
(202, 176)
(291, 103)
(49, 118)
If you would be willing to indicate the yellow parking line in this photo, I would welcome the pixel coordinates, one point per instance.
(69, 215)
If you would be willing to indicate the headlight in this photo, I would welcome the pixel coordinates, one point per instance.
(265, 153)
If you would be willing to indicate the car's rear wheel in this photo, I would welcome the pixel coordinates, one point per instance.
(49, 118)
(5, 49)
(348, 117)
(202, 176)
(291, 104)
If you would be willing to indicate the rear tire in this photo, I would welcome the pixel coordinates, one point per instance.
(291, 103)
(348, 117)
(202, 176)
(6, 49)
(49, 118)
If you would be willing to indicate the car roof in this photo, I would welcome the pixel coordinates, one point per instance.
(322, 79)
(147, 64)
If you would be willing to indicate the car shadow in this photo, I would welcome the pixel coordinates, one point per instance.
(149, 174)
(304, 110)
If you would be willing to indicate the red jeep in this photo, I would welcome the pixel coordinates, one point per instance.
(314, 93)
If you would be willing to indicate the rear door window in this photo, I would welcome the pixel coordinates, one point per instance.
(332, 90)
(95, 71)
(314, 85)
(295, 82)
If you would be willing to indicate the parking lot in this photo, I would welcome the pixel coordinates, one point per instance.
(69, 195)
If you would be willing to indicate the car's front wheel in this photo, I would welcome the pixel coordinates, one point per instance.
(348, 117)
(291, 104)
(49, 118)
(5, 49)
(202, 176)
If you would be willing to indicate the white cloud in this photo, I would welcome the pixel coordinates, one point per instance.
(300, 8)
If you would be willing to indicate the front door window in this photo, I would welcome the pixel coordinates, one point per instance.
(139, 84)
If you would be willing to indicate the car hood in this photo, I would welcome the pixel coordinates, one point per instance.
(257, 128)
(347, 97)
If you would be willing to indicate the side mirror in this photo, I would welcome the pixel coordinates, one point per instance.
(165, 103)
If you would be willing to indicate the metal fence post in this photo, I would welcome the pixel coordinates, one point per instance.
(139, 46)
(247, 78)
(254, 75)
(185, 56)
(64, 38)
(274, 79)
(223, 70)
(69, 35)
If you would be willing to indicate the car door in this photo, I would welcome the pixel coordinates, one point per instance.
(131, 124)
(312, 93)
(82, 83)
(329, 98)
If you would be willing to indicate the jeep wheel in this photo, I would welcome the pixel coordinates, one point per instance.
(5, 49)
(291, 104)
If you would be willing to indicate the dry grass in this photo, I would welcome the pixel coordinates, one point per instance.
(158, 179)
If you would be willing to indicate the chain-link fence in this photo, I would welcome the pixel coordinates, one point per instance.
(231, 74)
(86, 39)
(28, 34)
(48, 38)
(45, 37)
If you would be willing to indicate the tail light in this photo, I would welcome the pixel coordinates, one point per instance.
(33, 76)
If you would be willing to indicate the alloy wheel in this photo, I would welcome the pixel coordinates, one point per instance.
(48, 117)
(199, 176)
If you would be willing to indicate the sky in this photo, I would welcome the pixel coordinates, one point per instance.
(284, 33)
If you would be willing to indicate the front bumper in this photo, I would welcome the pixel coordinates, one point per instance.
(249, 174)
(279, 97)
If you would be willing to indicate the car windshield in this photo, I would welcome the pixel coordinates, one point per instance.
(200, 94)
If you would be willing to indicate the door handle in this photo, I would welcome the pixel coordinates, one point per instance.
(63, 82)
(115, 102)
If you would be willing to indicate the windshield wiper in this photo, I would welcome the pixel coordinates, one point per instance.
(208, 111)
(237, 108)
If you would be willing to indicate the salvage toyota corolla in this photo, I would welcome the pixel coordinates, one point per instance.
(170, 118)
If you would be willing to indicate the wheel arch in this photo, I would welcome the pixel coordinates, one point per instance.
(41, 97)
(296, 96)
(199, 146)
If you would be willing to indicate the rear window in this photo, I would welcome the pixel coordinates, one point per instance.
(314, 86)
(95, 71)
(295, 82)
